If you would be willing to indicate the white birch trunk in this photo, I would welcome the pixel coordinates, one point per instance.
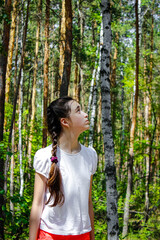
(20, 146)
(94, 106)
(20, 138)
(110, 170)
(122, 119)
(12, 172)
(92, 81)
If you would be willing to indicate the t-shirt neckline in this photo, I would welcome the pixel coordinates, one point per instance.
(70, 154)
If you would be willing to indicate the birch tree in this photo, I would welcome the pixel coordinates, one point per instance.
(110, 170)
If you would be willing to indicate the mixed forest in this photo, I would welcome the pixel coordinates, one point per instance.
(106, 55)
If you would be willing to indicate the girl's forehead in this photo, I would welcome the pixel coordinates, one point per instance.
(74, 105)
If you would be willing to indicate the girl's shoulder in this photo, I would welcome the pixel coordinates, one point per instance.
(89, 149)
(90, 155)
(44, 150)
(41, 161)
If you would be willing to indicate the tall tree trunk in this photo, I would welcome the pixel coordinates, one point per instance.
(10, 49)
(20, 137)
(147, 136)
(46, 66)
(92, 81)
(113, 84)
(33, 104)
(150, 92)
(93, 111)
(3, 64)
(78, 73)
(132, 132)
(13, 133)
(81, 27)
(110, 170)
(68, 49)
(122, 120)
(62, 45)
(17, 91)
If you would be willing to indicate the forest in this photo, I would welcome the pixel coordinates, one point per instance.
(106, 55)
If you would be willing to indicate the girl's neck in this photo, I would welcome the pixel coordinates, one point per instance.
(69, 143)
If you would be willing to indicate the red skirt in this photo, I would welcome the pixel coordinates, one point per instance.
(42, 235)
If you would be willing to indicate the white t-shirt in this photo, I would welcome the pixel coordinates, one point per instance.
(72, 218)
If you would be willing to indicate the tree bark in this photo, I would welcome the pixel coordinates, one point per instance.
(132, 132)
(122, 120)
(17, 92)
(46, 66)
(62, 45)
(113, 83)
(3, 64)
(147, 137)
(10, 49)
(33, 104)
(68, 49)
(13, 132)
(110, 170)
(20, 145)
(92, 81)
(93, 111)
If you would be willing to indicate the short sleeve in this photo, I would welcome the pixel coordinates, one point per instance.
(41, 163)
(94, 161)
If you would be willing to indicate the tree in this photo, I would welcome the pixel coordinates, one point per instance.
(33, 107)
(3, 65)
(46, 65)
(10, 49)
(17, 92)
(132, 132)
(110, 170)
(67, 8)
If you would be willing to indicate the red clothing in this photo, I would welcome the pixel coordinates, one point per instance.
(49, 236)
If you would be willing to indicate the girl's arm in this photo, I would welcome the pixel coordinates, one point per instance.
(37, 205)
(91, 213)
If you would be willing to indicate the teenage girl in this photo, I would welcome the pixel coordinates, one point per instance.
(62, 204)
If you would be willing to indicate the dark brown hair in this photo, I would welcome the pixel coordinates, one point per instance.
(57, 109)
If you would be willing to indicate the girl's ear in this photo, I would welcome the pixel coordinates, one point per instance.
(64, 122)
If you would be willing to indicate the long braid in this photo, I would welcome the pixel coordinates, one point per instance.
(56, 110)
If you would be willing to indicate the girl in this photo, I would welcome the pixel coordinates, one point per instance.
(62, 205)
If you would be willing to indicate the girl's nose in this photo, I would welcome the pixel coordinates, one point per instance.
(86, 115)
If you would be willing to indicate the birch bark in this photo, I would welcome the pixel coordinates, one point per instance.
(20, 137)
(122, 119)
(110, 170)
(93, 80)
(13, 133)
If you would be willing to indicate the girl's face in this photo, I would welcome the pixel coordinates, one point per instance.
(78, 120)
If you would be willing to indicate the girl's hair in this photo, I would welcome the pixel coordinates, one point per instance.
(57, 109)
